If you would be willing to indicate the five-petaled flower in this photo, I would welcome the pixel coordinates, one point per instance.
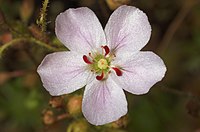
(106, 61)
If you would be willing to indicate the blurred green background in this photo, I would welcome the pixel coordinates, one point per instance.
(172, 105)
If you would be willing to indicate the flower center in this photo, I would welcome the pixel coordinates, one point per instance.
(100, 63)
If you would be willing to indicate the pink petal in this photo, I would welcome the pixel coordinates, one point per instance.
(128, 30)
(63, 72)
(140, 72)
(103, 102)
(80, 30)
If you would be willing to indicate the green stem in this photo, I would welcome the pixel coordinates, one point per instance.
(42, 21)
(28, 40)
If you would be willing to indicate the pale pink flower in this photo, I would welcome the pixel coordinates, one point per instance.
(106, 61)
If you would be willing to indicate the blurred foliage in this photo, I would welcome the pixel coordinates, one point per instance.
(27, 35)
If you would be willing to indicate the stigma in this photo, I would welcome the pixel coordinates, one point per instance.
(102, 64)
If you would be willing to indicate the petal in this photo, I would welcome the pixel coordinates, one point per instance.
(140, 72)
(103, 102)
(79, 30)
(128, 30)
(63, 72)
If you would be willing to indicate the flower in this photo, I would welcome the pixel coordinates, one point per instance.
(106, 61)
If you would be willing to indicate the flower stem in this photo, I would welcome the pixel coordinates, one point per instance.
(28, 40)
(42, 21)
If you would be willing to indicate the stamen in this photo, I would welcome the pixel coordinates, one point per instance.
(118, 71)
(107, 50)
(91, 55)
(85, 58)
(100, 77)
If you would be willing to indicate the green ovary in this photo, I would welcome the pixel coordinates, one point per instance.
(100, 64)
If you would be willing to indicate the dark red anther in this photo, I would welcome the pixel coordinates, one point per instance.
(85, 58)
(100, 77)
(118, 71)
(107, 50)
